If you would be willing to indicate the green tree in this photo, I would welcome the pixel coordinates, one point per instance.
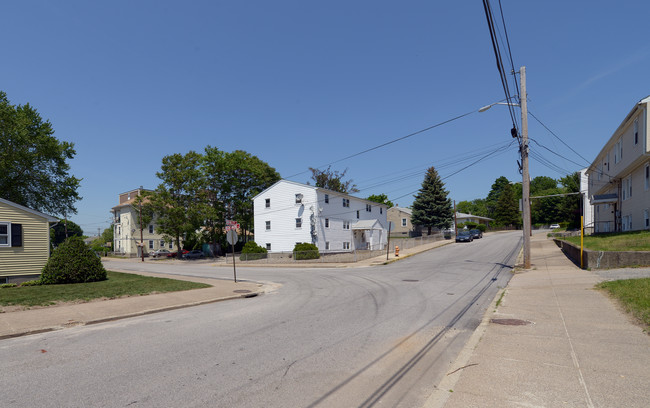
(493, 196)
(507, 209)
(540, 184)
(177, 200)
(231, 180)
(476, 207)
(570, 205)
(58, 232)
(431, 207)
(107, 235)
(333, 180)
(381, 199)
(35, 168)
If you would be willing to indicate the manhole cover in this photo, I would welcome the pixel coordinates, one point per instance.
(242, 291)
(410, 280)
(510, 322)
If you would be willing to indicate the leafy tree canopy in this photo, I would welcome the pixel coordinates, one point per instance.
(494, 194)
(35, 168)
(507, 209)
(431, 207)
(540, 184)
(381, 199)
(58, 232)
(332, 180)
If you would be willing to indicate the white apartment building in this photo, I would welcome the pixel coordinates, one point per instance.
(619, 177)
(126, 234)
(288, 213)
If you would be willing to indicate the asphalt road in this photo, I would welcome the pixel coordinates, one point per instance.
(344, 337)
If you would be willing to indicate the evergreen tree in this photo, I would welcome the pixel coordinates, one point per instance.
(494, 194)
(432, 208)
(507, 209)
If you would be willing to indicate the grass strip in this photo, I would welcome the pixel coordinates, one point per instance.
(633, 295)
(117, 285)
(620, 241)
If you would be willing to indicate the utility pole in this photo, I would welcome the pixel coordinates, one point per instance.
(524, 164)
(141, 238)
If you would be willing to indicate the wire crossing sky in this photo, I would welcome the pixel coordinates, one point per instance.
(302, 84)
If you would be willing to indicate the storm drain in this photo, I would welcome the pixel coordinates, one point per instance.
(510, 322)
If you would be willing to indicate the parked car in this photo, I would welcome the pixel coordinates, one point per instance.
(476, 233)
(160, 253)
(465, 236)
(193, 254)
(173, 254)
(555, 226)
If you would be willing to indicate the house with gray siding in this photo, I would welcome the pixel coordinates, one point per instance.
(288, 213)
(619, 177)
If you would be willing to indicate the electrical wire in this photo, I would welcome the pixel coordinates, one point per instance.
(558, 138)
(389, 142)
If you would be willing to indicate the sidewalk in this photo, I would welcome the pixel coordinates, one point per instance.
(573, 349)
(21, 323)
(14, 324)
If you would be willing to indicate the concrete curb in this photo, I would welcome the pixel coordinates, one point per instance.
(127, 315)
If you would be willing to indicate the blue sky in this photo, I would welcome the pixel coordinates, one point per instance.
(302, 84)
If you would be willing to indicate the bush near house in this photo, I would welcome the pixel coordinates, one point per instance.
(303, 250)
(481, 227)
(73, 262)
(251, 252)
(470, 225)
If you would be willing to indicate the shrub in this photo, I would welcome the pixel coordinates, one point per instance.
(31, 283)
(303, 250)
(73, 262)
(7, 285)
(481, 227)
(471, 225)
(251, 252)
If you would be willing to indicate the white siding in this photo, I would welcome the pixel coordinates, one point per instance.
(283, 212)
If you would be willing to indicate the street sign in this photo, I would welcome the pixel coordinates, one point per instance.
(231, 237)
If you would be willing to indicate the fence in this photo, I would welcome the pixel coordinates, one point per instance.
(331, 256)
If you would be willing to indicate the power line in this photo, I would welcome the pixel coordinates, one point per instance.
(389, 142)
(558, 138)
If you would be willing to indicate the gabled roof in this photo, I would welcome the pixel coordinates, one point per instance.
(324, 190)
(49, 218)
(366, 225)
(402, 209)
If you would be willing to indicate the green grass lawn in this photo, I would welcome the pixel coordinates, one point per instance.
(634, 295)
(620, 241)
(117, 285)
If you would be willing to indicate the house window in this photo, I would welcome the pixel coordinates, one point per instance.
(327, 198)
(368, 208)
(5, 237)
(346, 225)
(171, 245)
(647, 176)
(268, 246)
(151, 244)
(327, 245)
(646, 218)
(618, 151)
(150, 229)
(636, 131)
(627, 188)
(327, 222)
(268, 225)
(357, 214)
(298, 222)
(119, 230)
(381, 210)
(403, 222)
(267, 203)
(298, 198)
(346, 202)
(162, 243)
(346, 245)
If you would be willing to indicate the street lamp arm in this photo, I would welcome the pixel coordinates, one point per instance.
(483, 109)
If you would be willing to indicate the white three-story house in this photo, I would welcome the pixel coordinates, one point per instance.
(288, 213)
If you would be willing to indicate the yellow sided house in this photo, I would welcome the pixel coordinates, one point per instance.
(24, 242)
